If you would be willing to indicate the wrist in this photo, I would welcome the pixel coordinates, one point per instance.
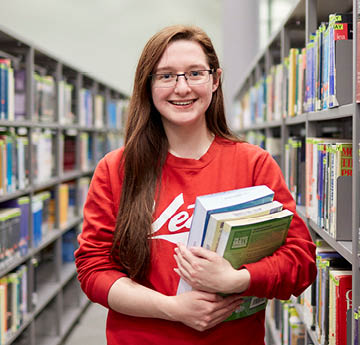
(168, 308)
(241, 281)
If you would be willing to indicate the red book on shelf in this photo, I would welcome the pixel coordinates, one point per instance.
(342, 301)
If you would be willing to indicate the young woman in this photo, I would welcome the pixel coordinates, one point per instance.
(138, 210)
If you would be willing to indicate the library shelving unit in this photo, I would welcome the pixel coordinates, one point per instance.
(56, 122)
(268, 112)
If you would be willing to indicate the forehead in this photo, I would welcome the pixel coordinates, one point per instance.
(182, 54)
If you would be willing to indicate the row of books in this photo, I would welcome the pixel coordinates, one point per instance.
(288, 323)
(14, 155)
(13, 302)
(14, 297)
(238, 224)
(312, 78)
(14, 224)
(327, 303)
(269, 143)
(294, 171)
(322, 181)
(328, 174)
(14, 218)
(94, 109)
(92, 148)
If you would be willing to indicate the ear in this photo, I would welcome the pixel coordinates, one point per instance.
(216, 79)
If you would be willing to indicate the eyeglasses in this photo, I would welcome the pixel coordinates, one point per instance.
(170, 79)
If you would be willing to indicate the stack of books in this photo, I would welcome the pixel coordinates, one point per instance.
(243, 226)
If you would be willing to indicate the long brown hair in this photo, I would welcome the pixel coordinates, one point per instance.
(146, 147)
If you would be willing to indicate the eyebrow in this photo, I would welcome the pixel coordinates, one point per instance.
(172, 69)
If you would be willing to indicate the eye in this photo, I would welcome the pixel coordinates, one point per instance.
(195, 73)
(166, 76)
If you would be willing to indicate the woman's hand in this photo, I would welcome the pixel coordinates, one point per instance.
(205, 270)
(202, 310)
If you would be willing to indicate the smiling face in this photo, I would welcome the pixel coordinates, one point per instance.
(183, 105)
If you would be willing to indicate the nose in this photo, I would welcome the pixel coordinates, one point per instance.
(182, 86)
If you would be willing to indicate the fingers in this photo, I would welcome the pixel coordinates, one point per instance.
(183, 268)
(199, 252)
(203, 253)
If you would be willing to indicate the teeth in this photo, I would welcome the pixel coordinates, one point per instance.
(182, 103)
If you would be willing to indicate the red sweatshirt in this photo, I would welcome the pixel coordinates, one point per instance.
(225, 166)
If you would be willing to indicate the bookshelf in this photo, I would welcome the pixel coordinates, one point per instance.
(56, 122)
(268, 111)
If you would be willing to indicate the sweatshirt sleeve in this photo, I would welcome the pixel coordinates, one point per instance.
(291, 269)
(96, 269)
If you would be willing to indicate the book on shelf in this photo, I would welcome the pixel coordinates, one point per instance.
(6, 90)
(217, 221)
(296, 327)
(293, 56)
(69, 245)
(36, 208)
(99, 106)
(340, 305)
(66, 115)
(326, 259)
(295, 168)
(69, 152)
(20, 94)
(13, 300)
(63, 203)
(340, 59)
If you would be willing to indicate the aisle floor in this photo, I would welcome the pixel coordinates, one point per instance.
(90, 329)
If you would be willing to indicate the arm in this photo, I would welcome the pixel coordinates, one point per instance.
(288, 271)
(292, 268)
(196, 309)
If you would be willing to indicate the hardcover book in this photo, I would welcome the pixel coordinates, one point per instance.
(340, 303)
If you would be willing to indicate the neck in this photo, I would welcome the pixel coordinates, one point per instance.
(190, 145)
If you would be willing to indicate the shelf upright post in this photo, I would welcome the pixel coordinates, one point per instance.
(79, 85)
(268, 64)
(310, 18)
(355, 178)
(95, 91)
(285, 49)
(310, 26)
(107, 101)
(58, 79)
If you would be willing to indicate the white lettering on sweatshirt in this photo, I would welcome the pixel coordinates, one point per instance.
(177, 221)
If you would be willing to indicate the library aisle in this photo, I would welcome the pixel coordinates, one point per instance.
(90, 329)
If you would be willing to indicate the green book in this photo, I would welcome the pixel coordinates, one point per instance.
(248, 240)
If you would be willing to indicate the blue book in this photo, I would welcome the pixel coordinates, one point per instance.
(37, 221)
(4, 71)
(24, 205)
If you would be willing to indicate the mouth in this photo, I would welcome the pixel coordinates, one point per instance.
(183, 103)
